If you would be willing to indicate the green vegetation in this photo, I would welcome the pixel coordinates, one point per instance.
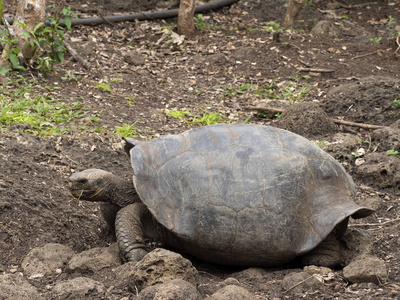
(126, 130)
(179, 114)
(393, 152)
(199, 23)
(106, 87)
(206, 118)
(396, 104)
(46, 42)
(273, 27)
(1, 8)
(70, 77)
(38, 112)
(375, 40)
(210, 118)
(232, 91)
(321, 144)
(292, 90)
(392, 28)
(131, 101)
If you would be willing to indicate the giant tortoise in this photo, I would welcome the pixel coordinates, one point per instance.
(244, 195)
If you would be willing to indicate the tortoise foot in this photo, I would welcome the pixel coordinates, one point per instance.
(135, 255)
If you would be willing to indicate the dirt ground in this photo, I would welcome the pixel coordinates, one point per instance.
(150, 73)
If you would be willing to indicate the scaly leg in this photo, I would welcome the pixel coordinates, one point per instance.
(130, 232)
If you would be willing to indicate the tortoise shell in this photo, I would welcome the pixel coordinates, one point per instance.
(247, 194)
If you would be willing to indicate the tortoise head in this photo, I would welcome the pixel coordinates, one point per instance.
(90, 185)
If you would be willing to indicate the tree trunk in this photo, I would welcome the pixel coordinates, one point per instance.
(185, 17)
(292, 12)
(30, 13)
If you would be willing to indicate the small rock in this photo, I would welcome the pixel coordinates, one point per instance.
(250, 273)
(245, 53)
(355, 243)
(317, 270)
(160, 266)
(124, 272)
(232, 292)
(134, 58)
(325, 28)
(301, 282)
(176, 289)
(15, 286)
(47, 259)
(381, 169)
(95, 259)
(366, 268)
(217, 58)
(78, 288)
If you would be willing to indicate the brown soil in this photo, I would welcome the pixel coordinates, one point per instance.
(35, 205)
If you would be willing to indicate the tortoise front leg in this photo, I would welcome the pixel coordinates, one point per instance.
(130, 231)
(109, 212)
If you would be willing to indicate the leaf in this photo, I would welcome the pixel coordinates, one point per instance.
(14, 60)
(38, 26)
(1, 7)
(4, 70)
(68, 22)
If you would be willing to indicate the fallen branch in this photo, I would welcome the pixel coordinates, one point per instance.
(274, 110)
(375, 224)
(366, 54)
(315, 70)
(75, 55)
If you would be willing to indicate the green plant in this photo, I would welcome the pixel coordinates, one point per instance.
(70, 77)
(126, 130)
(232, 91)
(375, 40)
(106, 87)
(312, 22)
(199, 23)
(210, 118)
(273, 27)
(393, 152)
(46, 42)
(178, 114)
(396, 104)
(392, 28)
(40, 114)
(1, 8)
(131, 101)
(322, 144)
(294, 90)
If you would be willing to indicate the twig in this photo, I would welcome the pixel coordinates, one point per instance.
(297, 284)
(398, 44)
(365, 126)
(375, 224)
(342, 122)
(315, 70)
(75, 55)
(366, 54)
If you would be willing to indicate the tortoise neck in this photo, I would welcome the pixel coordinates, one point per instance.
(121, 192)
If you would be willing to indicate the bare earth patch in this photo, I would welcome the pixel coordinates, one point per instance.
(231, 65)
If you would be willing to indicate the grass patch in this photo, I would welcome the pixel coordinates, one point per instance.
(106, 87)
(292, 90)
(179, 114)
(126, 130)
(393, 152)
(42, 114)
